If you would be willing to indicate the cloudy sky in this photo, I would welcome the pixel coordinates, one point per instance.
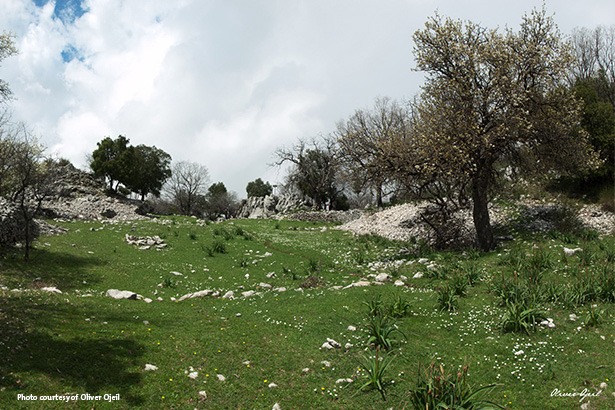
(225, 82)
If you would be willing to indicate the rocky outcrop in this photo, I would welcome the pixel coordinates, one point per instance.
(12, 225)
(271, 205)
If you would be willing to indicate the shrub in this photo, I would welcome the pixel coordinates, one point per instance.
(438, 389)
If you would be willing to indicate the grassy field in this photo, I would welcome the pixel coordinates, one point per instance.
(468, 309)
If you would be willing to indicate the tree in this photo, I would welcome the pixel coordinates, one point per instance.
(315, 170)
(258, 188)
(25, 179)
(368, 141)
(112, 160)
(219, 201)
(7, 49)
(187, 186)
(493, 99)
(149, 170)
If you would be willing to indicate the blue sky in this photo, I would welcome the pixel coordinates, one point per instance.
(225, 82)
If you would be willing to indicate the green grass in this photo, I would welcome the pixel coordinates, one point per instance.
(82, 342)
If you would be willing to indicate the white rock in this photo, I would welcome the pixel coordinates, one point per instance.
(348, 346)
(248, 293)
(570, 252)
(177, 273)
(147, 300)
(193, 375)
(51, 289)
(572, 317)
(265, 285)
(229, 295)
(399, 283)
(417, 275)
(351, 328)
(272, 385)
(199, 294)
(340, 381)
(280, 289)
(326, 363)
(333, 343)
(276, 407)
(270, 275)
(305, 370)
(122, 294)
(382, 277)
(150, 368)
(203, 394)
(423, 261)
(327, 346)
(221, 377)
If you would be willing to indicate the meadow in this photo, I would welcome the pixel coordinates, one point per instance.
(531, 322)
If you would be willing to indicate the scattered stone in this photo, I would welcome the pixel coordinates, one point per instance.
(399, 283)
(265, 285)
(177, 273)
(572, 317)
(333, 343)
(276, 406)
(417, 275)
(203, 394)
(548, 323)
(229, 295)
(351, 328)
(248, 293)
(193, 375)
(147, 300)
(272, 385)
(280, 289)
(340, 381)
(150, 368)
(145, 242)
(221, 377)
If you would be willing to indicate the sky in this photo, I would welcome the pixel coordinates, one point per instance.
(224, 83)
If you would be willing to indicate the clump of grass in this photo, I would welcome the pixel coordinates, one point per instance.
(192, 236)
(399, 308)
(218, 247)
(594, 316)
(375, 306)
(518, 317)
(168, 283)
(375, 369)
(459, 284)
(447, 298)
(381, 330)
(438, 389)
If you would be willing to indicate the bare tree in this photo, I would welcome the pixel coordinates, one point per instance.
(187, 186)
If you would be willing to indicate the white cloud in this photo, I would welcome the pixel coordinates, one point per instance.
(225, 83)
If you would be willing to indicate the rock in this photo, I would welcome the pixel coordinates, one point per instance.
(276, 406)
(150, 368)
(199, 294)
(122, 294)
(340, 381)
(382, 277)
(570, 252)
(221, 377)
(333, 343)
(229, 295)
(360, 283)
(193, 375)
(51, 289)
(417, 275)
(351, 328)
(203, 394)
(265, 285)
(272, 385)
(147, 300)
(399, 283)
(248, 293)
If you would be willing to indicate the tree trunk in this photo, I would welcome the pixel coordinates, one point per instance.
(480, 211)
(379, 202)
